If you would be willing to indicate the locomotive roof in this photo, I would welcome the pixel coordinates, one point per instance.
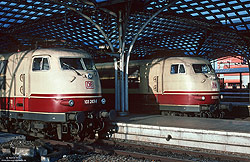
(188, 59)
(61, 52)
(49, 51)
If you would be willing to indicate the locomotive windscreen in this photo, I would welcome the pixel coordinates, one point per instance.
(77, 64)
(203, 68)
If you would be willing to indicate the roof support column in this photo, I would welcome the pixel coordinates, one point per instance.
(117, 87)
(122, 23)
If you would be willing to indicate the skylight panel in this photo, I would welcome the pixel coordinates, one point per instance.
(248, 26)
(26, 17)
(20, 21)
(221, 4)
(237, 7)
(231, 14)
(246, 19)
(204, 2)
(247, 5)
(215, 11)
(36, 3)
(15, 10)
(210, 6)
(21, 6)
(3, 19)
(9, 14)
(6, 25)
(236, 20)
(12, 4)
(40, 13)
(226, 9)
(205, 13)
(240, 27)
(6, 8)
(174, 8)
(3, 3)
(12, 20)
(179, 11)
(32, 12)
(17, 16)
(24, 11)
(194, 4)
(183, 6)
(199, 8)
(232, 2)
(243, 13)
(194, 14)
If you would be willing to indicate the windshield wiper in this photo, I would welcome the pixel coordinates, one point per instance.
(71, 67)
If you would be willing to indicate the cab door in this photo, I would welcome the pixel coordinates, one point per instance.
(20, 85)
(155, 83)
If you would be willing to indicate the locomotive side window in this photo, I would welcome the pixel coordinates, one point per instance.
(40, 63)
(177, 68)
(174, 69)
(202, 68)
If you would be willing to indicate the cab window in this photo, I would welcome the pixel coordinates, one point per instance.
(177, 68)
(40, 63)
(77, 64)
(203, 68)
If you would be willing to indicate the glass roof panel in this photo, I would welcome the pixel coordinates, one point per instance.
(183, 29)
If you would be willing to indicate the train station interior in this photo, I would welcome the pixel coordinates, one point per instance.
(126, 30)
(190, 59)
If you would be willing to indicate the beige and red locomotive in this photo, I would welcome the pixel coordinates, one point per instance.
(53, 93)
(174, 85)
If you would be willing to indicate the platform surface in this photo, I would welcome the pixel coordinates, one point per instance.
(188, 122)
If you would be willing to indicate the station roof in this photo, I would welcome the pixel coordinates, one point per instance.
(207, 28)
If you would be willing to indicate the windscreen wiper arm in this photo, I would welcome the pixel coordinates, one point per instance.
(71, 67)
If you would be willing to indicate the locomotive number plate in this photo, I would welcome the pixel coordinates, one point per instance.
(91, 101)
(215, 97)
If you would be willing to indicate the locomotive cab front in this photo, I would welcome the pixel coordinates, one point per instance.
(189, 86)
(54, 92)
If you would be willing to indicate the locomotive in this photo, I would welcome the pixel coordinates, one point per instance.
(51, 93)
(171, 86)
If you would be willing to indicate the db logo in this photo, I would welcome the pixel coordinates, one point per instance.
(89, 84)
(214, 85)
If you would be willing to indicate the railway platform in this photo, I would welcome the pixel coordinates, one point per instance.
(205, 133)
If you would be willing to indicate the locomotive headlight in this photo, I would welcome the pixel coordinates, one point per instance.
(103, 101)
(203, 98)
(71, 103)
(89, 76)
(221, 97)
(67, 103)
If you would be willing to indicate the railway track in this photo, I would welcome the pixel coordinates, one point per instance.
(144, 152)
